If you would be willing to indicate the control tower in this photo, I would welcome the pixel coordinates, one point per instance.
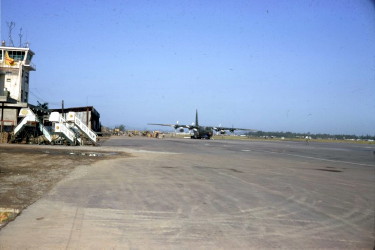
(15, 67)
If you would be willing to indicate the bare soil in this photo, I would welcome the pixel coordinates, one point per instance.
(28, 172)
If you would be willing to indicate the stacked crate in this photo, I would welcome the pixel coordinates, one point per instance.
(4, 137)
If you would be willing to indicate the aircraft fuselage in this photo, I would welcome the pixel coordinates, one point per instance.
(202, 133)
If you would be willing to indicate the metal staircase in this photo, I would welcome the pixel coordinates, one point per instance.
(29, 116)
(68, 129)
(81, 126)
(60, 127)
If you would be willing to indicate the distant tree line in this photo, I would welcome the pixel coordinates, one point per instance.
(313, 136)
(121, 128)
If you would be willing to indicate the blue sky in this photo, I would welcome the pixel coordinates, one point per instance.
(300, 66)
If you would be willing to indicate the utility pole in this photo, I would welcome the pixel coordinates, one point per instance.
(2, 118)
(62, 109)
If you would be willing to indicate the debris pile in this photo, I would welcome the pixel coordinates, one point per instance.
(4, 137)
(7, 215)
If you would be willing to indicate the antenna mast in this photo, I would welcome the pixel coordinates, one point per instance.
(11, 26)
(20, 35)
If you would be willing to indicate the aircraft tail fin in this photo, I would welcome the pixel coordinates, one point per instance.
(196, 117)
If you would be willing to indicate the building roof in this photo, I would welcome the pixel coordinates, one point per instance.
(79, 109)
(17, 48)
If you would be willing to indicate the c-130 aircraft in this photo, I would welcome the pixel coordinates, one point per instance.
(199, 132)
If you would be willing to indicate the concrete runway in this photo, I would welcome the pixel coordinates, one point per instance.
(198, 194)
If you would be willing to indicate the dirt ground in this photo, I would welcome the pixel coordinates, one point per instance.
(28, 172)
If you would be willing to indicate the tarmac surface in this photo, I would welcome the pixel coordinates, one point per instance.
(198, 194)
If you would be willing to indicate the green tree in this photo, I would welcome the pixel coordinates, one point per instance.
(121, 128)
(42, 105)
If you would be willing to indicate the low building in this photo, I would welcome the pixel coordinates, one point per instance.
(88, 115)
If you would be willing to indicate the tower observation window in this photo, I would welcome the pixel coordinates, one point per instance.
(29, 56)
(17, 55)
(1, 55)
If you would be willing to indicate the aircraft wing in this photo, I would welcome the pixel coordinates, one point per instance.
(233, 129)
(169, 125)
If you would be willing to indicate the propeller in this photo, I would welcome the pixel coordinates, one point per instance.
(232, 130)
(219, 130)
(190, 126)
(176, 127)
